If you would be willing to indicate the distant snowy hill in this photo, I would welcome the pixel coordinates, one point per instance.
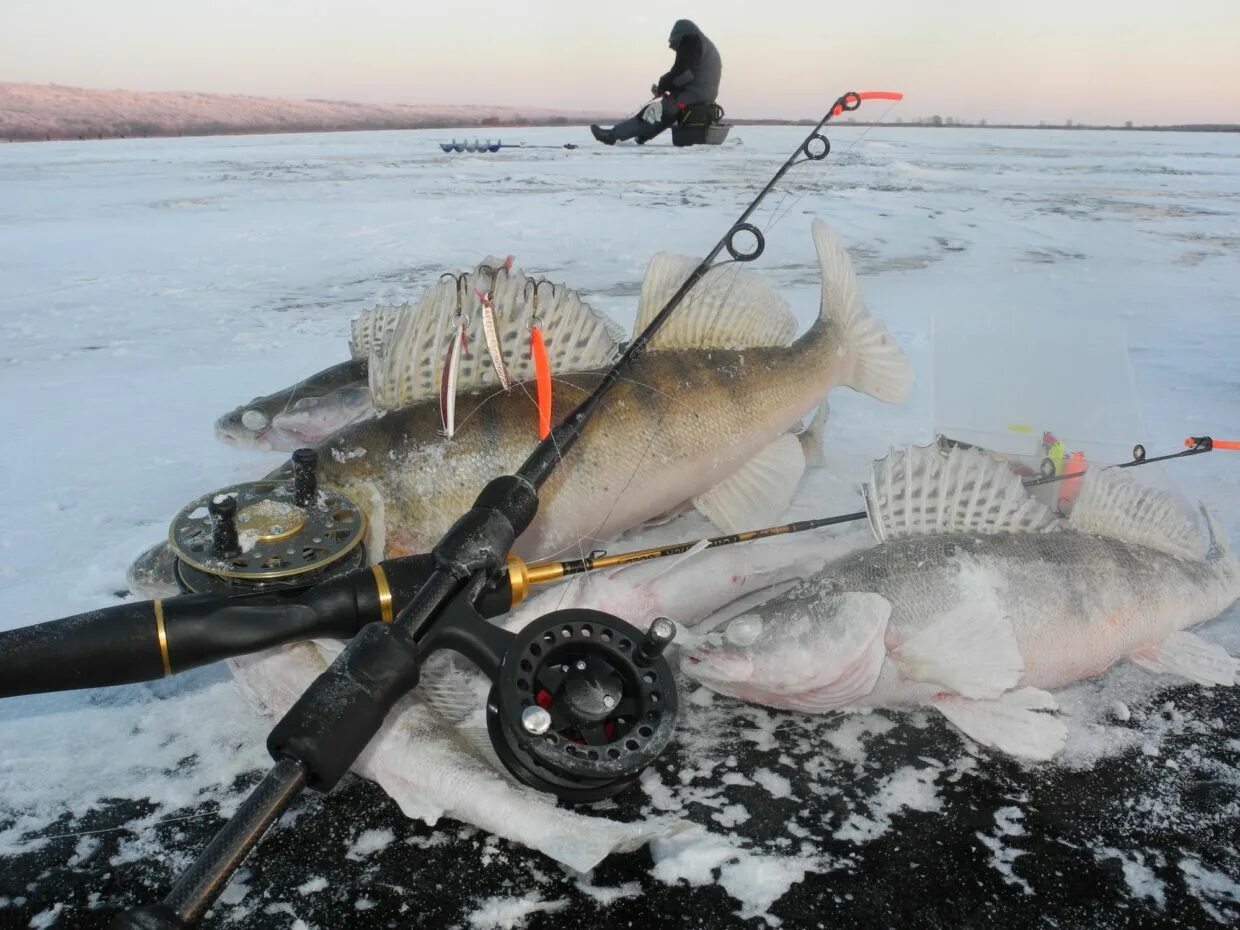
(50, 111)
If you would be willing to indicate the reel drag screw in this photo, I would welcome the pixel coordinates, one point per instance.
(305, 476)
(535, 720)
(224, 539)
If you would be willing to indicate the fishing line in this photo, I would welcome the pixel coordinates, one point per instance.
(815, 186)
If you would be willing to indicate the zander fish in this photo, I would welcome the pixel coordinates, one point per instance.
(978, 600)
(702, 417)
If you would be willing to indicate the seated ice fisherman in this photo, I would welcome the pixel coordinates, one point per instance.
(694, 78)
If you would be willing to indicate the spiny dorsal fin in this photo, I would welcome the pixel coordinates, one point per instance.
(919, 491)
(727, 309)
(405, 368)
(1112, 504)
(373, 327)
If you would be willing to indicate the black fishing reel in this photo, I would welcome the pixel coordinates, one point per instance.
(582, 703)
(261, 535)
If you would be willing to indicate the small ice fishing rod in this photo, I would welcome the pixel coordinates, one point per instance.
(541, 572)
(1196, 446)
(592, 663)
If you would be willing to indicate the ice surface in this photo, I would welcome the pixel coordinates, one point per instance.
(148, 286)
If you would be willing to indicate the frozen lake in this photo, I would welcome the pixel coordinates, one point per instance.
(148, 286)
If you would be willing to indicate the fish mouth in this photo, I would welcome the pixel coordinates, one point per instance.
(709, 665)
(248, 440)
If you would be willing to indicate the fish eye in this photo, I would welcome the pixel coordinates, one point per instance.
(744, 630)
(253, 419)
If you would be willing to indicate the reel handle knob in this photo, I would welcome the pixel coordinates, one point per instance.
(305, 476)
(662, 631)
(224, 539)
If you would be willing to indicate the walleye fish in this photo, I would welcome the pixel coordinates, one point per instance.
(404, 342)
(978, 600)
(702, 417)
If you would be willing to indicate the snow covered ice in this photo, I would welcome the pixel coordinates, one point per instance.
(148, 286)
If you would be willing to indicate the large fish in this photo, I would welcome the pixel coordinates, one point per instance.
(311, 410)
(703, 417)
(978, 600)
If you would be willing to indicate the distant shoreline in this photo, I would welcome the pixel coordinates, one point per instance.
(288, 130)
(53, 113)
(495, 127)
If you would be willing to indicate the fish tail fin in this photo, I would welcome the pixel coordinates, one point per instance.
(879, 367)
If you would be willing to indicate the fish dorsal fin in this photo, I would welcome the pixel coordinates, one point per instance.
(919, 491)
(373, 327)
(406, 367)
(1112, 504)
(727, 309)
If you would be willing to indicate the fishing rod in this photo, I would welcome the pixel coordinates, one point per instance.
(148, 640)
(613, 708)
(1197, 445)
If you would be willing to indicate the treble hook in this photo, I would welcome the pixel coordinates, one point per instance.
(535, 318)
(460, 290)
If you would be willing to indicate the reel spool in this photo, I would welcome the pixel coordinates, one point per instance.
(259, 535)
(582, 703)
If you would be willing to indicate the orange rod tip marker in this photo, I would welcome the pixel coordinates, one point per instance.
(872, 95)
(1229, 444)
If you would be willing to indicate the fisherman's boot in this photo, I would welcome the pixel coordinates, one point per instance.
(606, 136)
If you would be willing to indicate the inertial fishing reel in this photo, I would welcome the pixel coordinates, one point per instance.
(583, 702)
(267, 534)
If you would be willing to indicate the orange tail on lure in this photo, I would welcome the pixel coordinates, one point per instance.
(542, 367)
(542, 373)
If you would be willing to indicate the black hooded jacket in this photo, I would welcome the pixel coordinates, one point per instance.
(695, 75)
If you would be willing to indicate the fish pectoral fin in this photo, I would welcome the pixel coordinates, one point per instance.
(1012, 724)
(1190, 656)
(759, 491)
(971, 650)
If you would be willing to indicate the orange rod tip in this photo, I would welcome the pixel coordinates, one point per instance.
(881, 95)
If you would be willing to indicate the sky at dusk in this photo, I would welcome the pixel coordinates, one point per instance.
(1094, 61)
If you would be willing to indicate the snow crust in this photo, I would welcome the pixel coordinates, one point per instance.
(148, 286)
